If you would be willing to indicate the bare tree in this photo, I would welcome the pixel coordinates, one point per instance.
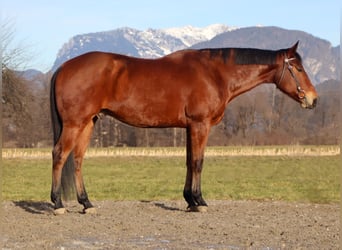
(14, 56)
(15, 93)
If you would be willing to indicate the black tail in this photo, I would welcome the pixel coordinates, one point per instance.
(68, 179)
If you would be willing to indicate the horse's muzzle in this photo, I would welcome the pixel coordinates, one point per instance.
(309, 101)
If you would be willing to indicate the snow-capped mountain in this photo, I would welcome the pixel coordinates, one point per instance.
(320, 59)
(190, 35)
(148, 43)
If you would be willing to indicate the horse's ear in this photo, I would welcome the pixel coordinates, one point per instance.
(293, 49)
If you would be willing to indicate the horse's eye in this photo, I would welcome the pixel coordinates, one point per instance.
(299, 69)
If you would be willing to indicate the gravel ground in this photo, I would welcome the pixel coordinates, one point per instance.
(167, 225)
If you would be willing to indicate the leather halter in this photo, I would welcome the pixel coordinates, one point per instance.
(301, 92)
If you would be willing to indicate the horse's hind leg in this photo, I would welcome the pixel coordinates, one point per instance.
(60, 153)
(79, 151)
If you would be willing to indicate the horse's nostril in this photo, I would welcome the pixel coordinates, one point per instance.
(314, 103)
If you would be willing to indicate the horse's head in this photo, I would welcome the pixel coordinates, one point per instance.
(293, 80)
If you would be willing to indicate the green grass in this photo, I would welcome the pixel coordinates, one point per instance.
(305, 179)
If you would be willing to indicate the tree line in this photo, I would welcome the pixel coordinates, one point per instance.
(263, 116)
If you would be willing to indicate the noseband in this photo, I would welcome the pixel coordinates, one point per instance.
(301, 92)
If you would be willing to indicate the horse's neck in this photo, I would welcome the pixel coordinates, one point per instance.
(246, 77)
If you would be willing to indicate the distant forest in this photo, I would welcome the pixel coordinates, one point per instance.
(263, 116)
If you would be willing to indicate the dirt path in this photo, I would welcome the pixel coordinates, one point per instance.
(166, 225)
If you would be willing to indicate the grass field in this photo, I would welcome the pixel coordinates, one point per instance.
(307, 174)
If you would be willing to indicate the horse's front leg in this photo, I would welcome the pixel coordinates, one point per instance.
(197, 136)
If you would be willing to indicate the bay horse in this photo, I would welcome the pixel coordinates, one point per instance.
(187, 89)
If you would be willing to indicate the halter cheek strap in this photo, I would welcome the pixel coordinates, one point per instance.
(301, 92)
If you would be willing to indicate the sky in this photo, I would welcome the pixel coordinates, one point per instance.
(44, 26)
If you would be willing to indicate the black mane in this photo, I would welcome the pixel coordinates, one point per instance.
(246, 55)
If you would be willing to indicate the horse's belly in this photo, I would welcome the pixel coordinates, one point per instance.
(150, 115)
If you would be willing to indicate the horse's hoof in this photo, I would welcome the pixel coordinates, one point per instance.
(90, 210)
(59, 211)
(201, 209)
